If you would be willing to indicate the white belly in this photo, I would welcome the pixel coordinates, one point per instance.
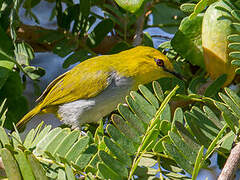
(92, 110)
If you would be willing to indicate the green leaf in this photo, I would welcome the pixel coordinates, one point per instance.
(69, 172)
(158, 91)
(194, 84)
(170, 83)
(118, 151)
(34, 72)
(126, 129)
(165, 126)
(131, 118)
(236, 14)
(235, 62)
(119, 47)
(99, 32)
(107, 172)
(215, 86)
(6, 47)
(143, 104)
(5, 69)
(186, 135)
(86, 156)
(10, 164)
(234, 46)
(214, 142)
(187, 7)
(187, 40)
(194, 123)
(52, 145)
(135, 107)
(37, 168)
(150, 139)
(178, 116)
(228, 141)
(172, 175)
(64, 146)
(234, 97)
(41, 135)
(230, 103)
(236, 26)
(24, 165)
(237, 71)
(178, 157)
(158, 147)
(210, 114)
(198, 163)
(77, 149)
(77, 56)
(235, 55)
(130, 5)
(227, 116)
(16, 103)
(167, 17)
(65, 47)
(24, 53)
(29, 139)
(61, 175)
(147, 160)
(3, 137)
(188, 152)
(205, 124)
(166, 114)
(234, 38)
(149, 95)
(147, 40)
(114, 164)
(16, 139)
(42, 145)
(81, 17)
(201, 5)
(120, 139)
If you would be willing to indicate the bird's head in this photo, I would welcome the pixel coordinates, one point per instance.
(149, 64)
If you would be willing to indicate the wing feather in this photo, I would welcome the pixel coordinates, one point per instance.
(84, 81)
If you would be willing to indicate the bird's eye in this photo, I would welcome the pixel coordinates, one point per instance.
(160, 62)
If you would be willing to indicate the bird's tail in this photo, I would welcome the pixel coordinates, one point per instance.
(28, 117)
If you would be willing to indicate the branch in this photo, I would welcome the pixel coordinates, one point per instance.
(33, 34)
(231, 164)
(140, 25)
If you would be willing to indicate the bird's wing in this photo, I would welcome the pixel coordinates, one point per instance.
(49, 87)
(82, 82)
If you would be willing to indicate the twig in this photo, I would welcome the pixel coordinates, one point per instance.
(161, 36)
(231, 165)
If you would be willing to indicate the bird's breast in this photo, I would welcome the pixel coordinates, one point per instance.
(93, 109)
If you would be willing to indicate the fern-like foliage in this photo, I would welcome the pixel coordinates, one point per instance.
(143, 141)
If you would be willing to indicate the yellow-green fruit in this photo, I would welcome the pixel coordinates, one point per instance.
(92, 89)
(215, 29)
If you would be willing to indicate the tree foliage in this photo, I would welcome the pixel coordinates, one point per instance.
(168, 129)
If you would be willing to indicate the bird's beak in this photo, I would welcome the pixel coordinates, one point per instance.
(173, 73)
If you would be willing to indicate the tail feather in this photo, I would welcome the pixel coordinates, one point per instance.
(28, 117)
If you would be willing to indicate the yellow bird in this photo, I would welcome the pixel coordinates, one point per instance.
(93, 88)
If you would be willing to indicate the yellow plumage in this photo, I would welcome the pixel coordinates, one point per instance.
(107, 78)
